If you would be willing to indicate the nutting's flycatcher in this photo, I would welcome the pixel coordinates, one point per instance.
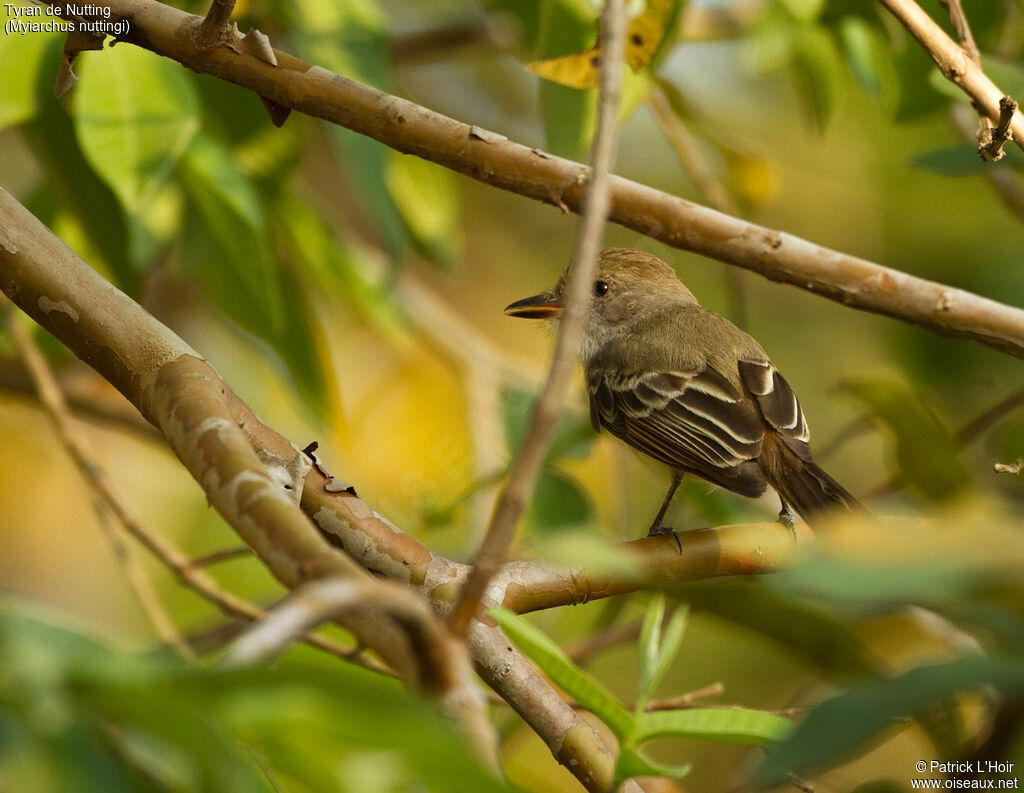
(689, 388)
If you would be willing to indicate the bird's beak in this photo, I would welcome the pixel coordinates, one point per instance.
(546, 305)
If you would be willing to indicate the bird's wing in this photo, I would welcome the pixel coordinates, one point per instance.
(691, 420)
(778, 404)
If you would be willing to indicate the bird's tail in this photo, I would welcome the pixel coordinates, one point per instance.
(805, 486)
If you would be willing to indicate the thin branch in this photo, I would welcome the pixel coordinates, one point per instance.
(490, 158)
(198, 414)
(990, 139)
(87, 395)
(991, 143)
(224, 555)
(527, 464)
(95, 477)
(963, 29)
(201, 416)
(583, 649)
(688, 699)
(955, 63)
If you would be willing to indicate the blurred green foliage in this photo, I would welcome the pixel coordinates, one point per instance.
(150, 172)
(76, 715)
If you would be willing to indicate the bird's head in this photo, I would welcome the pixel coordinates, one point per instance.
(628, 284)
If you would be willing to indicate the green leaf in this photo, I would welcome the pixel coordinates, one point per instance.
(915, 72)
(426, 195)
(818, 70)
(864, 51)
(631, 763)
(963, 160)
(864, 586)
(226, 245)
(720, 725)
(558, 502)
(27, 62)
(926, 451)
(351, 39)
(70, 700)
(328, 261)
(804, 10)
(586, 690)
(842, 726)
(75, 187)
(365, 161)
(569, 118)
(573, 435)
(656, 651)
(135, 117)
(796, 620)
(1008, 75)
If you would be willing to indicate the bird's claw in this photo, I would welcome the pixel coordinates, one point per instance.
(659, 530)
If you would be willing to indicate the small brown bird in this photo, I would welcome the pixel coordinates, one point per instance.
(687, 387)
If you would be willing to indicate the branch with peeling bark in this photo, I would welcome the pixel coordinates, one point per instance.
(228, 450)
(412, 129)
(180, 393)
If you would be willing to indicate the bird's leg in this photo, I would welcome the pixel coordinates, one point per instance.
(787, 517)
(658, 529)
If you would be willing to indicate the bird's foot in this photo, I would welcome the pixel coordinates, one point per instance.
(787, 517)
(658, 529)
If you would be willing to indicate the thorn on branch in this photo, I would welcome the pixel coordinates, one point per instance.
(76, 42)
(257, 44)
(992, 139)
(278, 113)
(215, 24)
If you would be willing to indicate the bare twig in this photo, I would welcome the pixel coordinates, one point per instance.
(963, 29)
(215, 23)
(221, 556)
(413, 129)
(583, 649)
(966, 38)
(311, 605)
(955, 63)
(990, 139)
(106, 502)
(688, 699)
(991, 144)
(526, 466)
(83, 397)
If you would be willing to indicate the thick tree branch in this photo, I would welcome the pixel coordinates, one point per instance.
(182, 394)
(214, 433)
(413, 129)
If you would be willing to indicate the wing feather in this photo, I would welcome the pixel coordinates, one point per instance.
(694, 421)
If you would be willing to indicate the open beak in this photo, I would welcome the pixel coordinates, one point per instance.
(543, 306)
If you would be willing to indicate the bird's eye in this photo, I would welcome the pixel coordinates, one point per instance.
(600, 288)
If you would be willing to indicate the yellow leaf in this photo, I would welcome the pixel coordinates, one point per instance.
(643, 37)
